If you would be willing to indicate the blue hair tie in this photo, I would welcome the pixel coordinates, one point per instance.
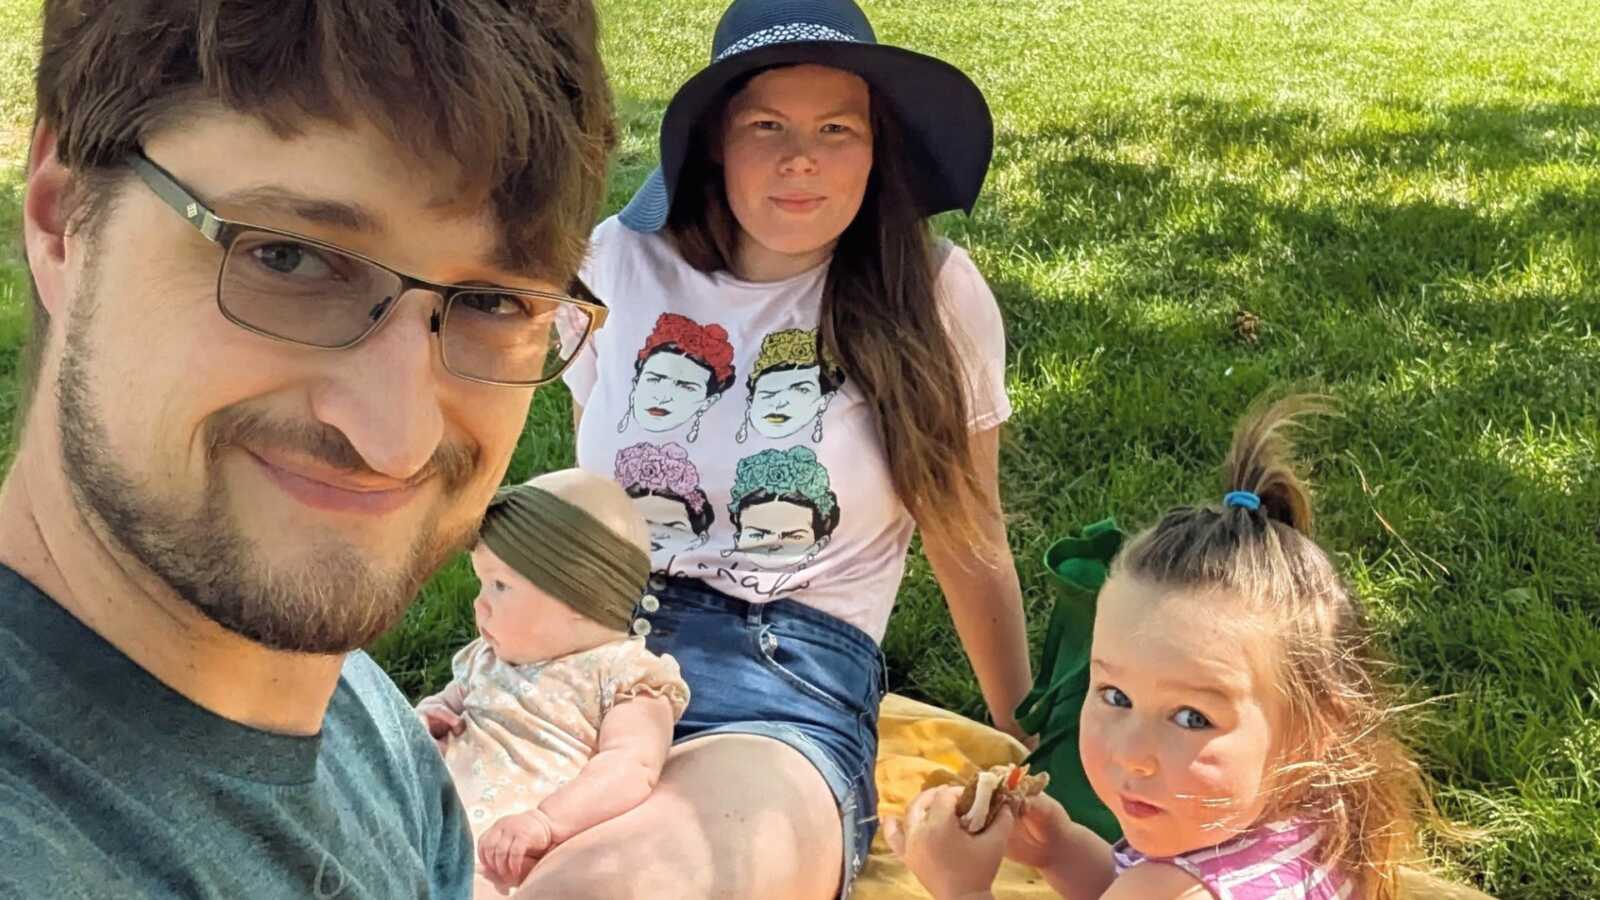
(1242, 499)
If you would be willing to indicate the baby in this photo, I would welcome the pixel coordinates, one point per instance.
(1234, 724)
(557, 719)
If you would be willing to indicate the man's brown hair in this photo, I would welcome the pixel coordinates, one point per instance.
(512, 93)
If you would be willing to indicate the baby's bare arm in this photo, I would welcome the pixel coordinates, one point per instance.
(634, 739)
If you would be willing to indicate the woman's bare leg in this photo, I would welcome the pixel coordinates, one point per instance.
(734, 816)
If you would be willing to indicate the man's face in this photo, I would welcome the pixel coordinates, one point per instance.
(297, 496)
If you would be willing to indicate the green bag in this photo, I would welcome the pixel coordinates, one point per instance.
(1079, 564)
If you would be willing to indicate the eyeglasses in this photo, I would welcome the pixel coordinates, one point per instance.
(292, 288)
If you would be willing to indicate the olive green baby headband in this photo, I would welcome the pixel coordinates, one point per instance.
(566, 553)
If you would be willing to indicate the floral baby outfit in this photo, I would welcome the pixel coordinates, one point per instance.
(530, 728)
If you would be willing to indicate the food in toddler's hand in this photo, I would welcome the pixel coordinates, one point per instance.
(994, 788)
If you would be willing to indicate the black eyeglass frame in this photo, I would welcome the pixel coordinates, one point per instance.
(223, 232)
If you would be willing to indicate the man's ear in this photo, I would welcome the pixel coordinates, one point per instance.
(44, 219)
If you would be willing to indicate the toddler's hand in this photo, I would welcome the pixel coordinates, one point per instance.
(508, 850)
(441, 723)
(948, 861)
(1040, 834)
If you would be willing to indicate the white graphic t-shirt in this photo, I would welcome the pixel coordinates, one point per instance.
(756, 464)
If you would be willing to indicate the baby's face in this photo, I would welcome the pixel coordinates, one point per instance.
(1177, 732)
(522, 623)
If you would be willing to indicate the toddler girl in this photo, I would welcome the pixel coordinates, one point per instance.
(557, 719)
(1233, 724)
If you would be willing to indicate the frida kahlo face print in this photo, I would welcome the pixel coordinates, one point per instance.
(791, 387)
(784, 511)
(665, 487)
(683, 370)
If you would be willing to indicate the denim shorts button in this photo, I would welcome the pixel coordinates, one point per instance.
(641, 627)
(649, 603)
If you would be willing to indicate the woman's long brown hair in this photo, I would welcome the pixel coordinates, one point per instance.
(880, 320)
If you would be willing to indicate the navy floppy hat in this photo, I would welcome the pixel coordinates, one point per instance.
(949, 131)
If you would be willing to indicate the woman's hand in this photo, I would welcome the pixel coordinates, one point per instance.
(1008, 724)
(948, 861)
(511, 846)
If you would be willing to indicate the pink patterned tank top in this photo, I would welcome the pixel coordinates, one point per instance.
(1277, 861)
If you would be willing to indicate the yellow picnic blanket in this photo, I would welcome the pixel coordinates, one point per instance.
(920, 744)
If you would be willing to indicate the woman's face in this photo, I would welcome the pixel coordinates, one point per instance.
(670, 389)
(776, 534)
(671, 529)
(796, 153)
(784, 402)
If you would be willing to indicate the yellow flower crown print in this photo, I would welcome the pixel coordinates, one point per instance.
(791, 384)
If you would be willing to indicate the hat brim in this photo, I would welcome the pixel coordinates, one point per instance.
(949, 130)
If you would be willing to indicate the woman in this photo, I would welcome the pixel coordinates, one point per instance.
(798, 171)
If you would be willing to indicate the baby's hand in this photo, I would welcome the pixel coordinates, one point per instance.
(508, 850)
(948, 861)
(441, 723)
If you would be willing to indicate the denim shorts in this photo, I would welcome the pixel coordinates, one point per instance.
(780, 670)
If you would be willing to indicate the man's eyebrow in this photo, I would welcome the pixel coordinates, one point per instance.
(316, 210)
(349, 217)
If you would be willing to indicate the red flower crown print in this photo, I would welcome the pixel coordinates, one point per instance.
(705, 344)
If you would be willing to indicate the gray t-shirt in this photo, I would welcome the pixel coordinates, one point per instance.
(113, 785)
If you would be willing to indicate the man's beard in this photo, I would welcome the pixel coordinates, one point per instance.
(330, 600)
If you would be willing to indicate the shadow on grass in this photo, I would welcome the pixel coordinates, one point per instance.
(1401, 137)
(1459, 338)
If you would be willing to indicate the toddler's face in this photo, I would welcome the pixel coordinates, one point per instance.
(522, 623)
(1177, 733)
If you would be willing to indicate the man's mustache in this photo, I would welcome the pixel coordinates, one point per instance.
(453, 463)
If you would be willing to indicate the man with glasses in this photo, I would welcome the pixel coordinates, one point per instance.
(297, 274)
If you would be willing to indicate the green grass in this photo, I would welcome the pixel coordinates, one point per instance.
(1408, 197)
(19, 47)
